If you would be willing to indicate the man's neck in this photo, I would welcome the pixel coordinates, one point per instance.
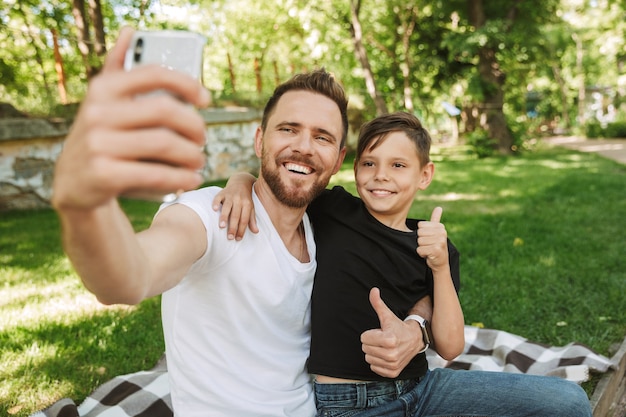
(285, 219)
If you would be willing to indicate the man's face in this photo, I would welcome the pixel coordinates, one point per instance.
(299, 149)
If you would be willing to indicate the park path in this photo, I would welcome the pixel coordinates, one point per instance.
(609, 148)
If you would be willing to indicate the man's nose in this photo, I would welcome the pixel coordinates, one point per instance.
(304, 143)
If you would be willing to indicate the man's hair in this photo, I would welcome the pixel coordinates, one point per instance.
(374, 132)
(318, 81)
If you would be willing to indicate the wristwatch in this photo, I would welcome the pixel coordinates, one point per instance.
(423, 323)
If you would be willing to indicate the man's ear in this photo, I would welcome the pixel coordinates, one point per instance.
(426, 175)
(258, 141)
(340, 158)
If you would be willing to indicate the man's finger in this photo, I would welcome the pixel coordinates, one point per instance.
(436, 216)
(115, 57)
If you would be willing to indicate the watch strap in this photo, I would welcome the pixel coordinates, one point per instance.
(422, 322)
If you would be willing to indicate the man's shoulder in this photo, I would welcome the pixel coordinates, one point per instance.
(199, 200)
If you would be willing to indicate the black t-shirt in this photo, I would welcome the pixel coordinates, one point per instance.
(355, 252)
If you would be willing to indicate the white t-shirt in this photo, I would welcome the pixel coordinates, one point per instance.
(237, 327)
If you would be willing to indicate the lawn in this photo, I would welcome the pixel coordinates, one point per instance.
(542, 238)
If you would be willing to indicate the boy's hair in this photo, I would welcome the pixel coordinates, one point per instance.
(374, 132)
(318, 81)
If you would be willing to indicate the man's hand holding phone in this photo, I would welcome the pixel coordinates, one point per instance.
(125, 140)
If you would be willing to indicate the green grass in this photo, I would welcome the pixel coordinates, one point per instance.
(542, 239)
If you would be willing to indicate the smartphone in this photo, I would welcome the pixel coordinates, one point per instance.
(173, 49)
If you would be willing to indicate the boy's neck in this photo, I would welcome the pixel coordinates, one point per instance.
(396, 222)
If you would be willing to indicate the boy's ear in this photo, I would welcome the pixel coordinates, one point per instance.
(426, 175)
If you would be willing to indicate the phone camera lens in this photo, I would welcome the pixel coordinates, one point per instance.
(138, 50)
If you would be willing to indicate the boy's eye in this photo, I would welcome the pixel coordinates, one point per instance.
(398, 165)
(367, 163)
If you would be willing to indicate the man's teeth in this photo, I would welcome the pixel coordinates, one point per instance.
(298, 168)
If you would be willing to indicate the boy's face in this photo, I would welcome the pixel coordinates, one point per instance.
(300, 148)
(388, 176)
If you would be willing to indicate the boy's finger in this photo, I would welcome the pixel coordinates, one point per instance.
(436, 216)
(252, 225)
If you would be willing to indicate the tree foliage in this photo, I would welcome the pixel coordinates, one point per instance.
(503, 63)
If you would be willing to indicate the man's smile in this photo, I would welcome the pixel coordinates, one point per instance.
(297, 168)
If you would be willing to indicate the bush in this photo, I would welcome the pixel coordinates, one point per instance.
(612, 130)
(481, 144)
(593, 130)
(615, 130)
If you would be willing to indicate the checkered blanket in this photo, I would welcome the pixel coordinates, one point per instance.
(146, 393)
(495, 350)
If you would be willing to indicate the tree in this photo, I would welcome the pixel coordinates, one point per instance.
(356, 32)
(496, 38)
(90, 50)
(492, 79)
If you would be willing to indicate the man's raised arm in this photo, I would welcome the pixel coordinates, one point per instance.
(122, 142)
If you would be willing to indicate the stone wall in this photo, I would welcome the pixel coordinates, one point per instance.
(30, 147)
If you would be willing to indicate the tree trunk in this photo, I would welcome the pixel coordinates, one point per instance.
(361, 54)
(38, 56)
(231, 72)
(143, 6)
(580, 54)
(58, 66)
(257, 75)
(84, 37)
(276, 73)
(469, 116)
(95, 13)
(556, 70)
(492, 80)
(408, 64)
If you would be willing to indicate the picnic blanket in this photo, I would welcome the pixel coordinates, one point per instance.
(147, 393)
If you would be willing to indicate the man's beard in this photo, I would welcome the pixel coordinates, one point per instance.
(297, 197)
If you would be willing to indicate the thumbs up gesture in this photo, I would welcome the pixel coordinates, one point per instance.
(391, 347)
(432, 241)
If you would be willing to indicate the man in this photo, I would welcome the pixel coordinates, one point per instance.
(235, 314)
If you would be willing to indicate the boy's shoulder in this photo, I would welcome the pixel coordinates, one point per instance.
(333, 199)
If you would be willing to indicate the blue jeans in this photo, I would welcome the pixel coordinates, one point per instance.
(446, 392)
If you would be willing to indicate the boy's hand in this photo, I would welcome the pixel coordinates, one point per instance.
(391, 347)
(432, 241)
(237, 206)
